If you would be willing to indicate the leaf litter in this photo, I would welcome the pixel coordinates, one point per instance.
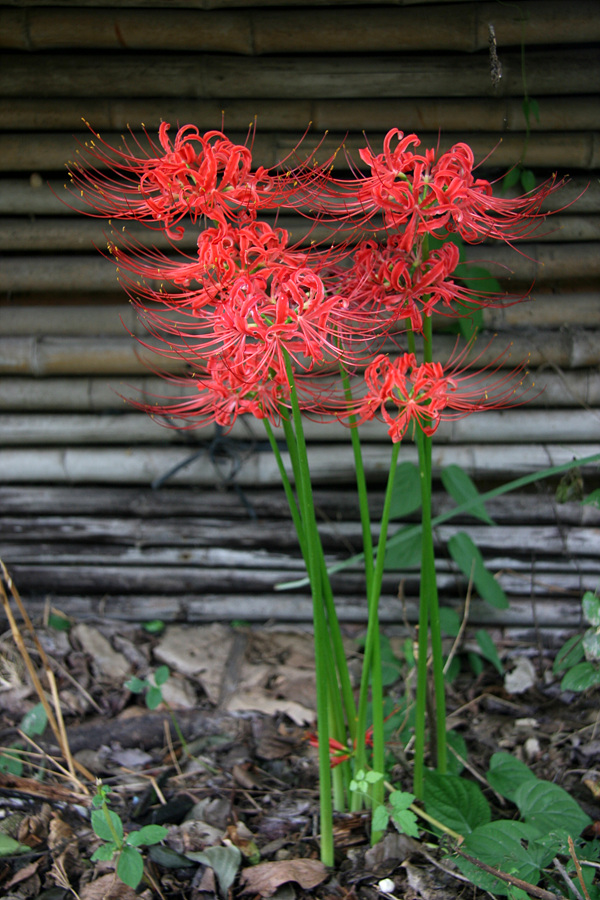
(241, 803)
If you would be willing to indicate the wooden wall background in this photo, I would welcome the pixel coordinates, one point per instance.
(80, 523)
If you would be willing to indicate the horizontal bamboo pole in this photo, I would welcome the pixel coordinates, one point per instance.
(92, 465)
(577, 389)
(123, 356)
(543, 311)
(507, 426)
(58, 234)
(555, 618)
(211, 76)
(544, 264)
(462, 27)
(220, 4)
(50, 152)
(25, 504)
(34, 197)
(467, 115)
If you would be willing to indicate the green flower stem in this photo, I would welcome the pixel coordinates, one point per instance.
(117, 840)
(321, 636)
(372, 655)
(361, 484)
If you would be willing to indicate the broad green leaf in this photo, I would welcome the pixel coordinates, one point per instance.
(161, 675)
(149, 834)
(456, 802)
(155, 626)
(136, 685)
(591, 607)
(11, 762)
(59, 622)
(10, 847)
(593, 499)
(34, 721)
(569, 654)
(581, 677)
(487, 648)
(507, 773)
(153, 697)
(457, 743)
(407, 553)
(591, 644)
(499, 844)
(470, 561)
(406, 822)
(167, 857)
(453, 670)
(462, 489)
(224, 861)
(511, 178)
(528, 180)
(478, 278)
(380, 819)
(101, 826)
(130, 867)
(544, 805)
(406, 497)
(449, 621)
(105, 852)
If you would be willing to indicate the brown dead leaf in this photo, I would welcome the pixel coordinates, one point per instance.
(24, 873)
(33, 830)
(107, 887)
(265, 878)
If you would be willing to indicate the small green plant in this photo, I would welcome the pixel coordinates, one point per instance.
(107, 826)
(579, 657)
(33, 723)
(152, 688)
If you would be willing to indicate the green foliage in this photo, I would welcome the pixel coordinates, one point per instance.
(406, 495)
(224, 861)
(579, 657)
(456, 802)
(155, 626)
(33, 723)
(107, 826)
(152, 686)
(399, 813)
(470, 561)
(462, 489)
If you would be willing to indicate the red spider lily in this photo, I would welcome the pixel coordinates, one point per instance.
(338, 752)
(404, 393)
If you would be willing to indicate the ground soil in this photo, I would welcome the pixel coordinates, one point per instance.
(244, 700)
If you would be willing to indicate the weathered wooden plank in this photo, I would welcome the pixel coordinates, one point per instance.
(467, 115)
(509, 426)
(220, 75)
(463, 27)
(119, 465)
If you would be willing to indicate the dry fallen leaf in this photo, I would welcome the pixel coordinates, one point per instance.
(265, 878)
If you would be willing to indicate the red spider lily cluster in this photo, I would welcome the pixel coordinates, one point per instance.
(248, 304)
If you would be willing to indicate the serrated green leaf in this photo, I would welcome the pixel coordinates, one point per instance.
(105, 852)
(455, 802)
(161, 675)
(406, 496)
(581, 677)
(543, 804)
(569, 654)
(35, 721)
(507, 773)
(380, 819)
(406, 822)
(101, 826)
(499, 844)
(149, 834)
(401, 799)
(130, 867)
(591, 607)
(488, 650)
(470, 561)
